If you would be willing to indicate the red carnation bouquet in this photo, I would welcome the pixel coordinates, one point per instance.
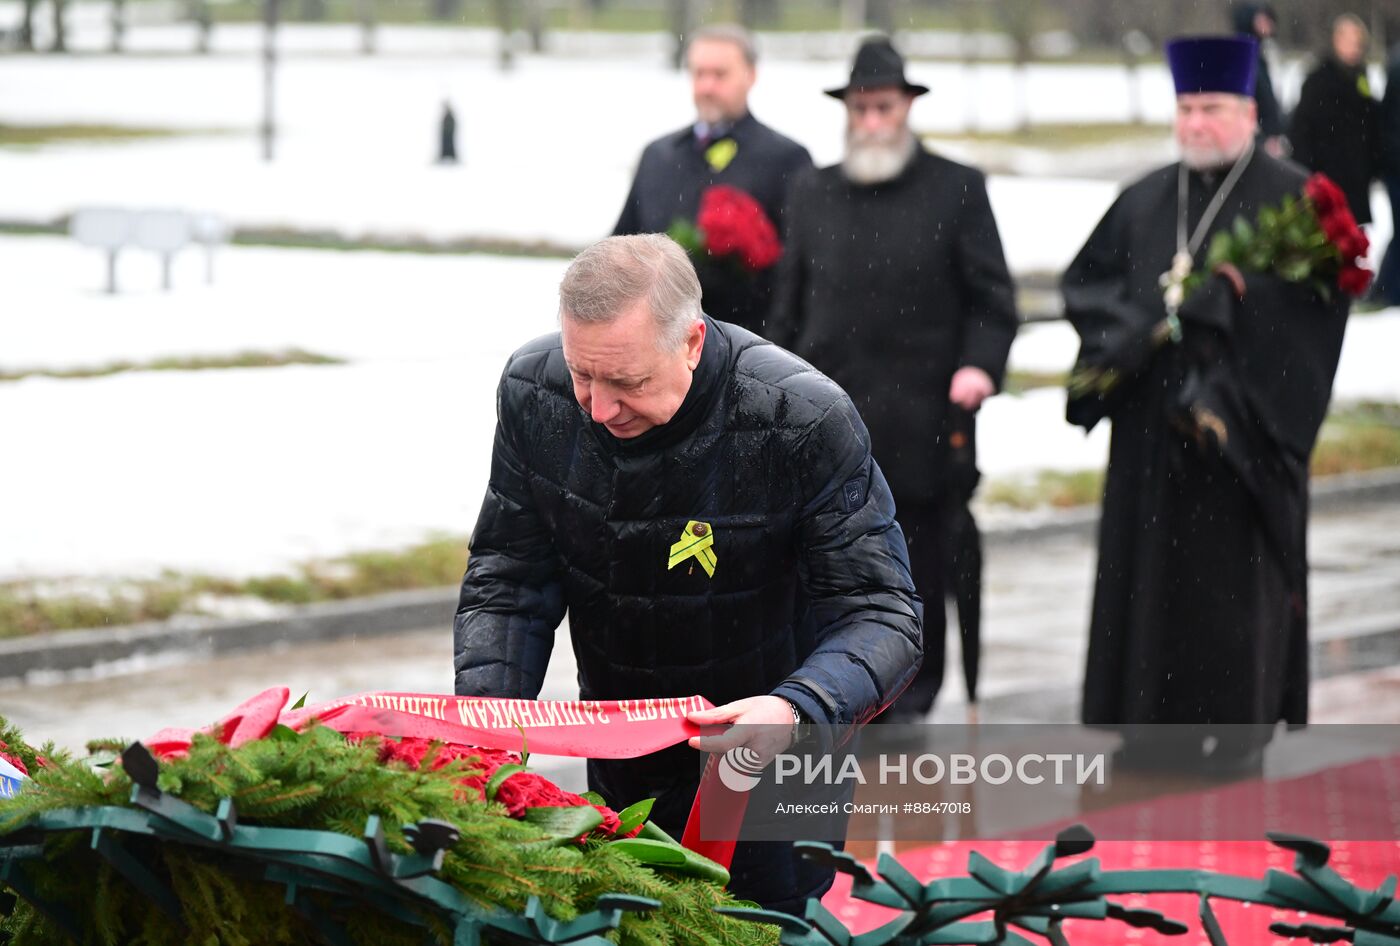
(500, 776)
(1314, 239)
(13, 760)
(16, 756)
(730, 224)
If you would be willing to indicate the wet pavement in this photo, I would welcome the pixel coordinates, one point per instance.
(1034, 636)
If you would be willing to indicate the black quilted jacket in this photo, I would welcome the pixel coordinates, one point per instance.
(811, 597)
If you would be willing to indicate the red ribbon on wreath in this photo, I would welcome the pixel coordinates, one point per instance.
(492, 729)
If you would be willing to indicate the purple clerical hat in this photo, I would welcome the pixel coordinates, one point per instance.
(1213, 64)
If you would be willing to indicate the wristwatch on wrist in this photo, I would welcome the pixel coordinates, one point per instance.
(797, 722)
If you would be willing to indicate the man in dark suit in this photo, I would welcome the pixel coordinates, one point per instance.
(725, 145)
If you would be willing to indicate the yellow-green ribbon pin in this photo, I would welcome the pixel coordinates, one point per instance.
(697, 541)
(719, 154)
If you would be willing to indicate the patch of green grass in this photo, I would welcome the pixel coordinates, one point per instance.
(1019, 382)
(1358, 438)
(327, 240)
(30, 136)
(1060, 136)
(30, 611)
(282, 238)
(1054, 488)
(613, 17)
(19, 228)
(28, 608)
(244, 359)
(1354, 439)
(429, 565)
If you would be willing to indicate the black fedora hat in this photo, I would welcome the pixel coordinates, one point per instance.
(878, 65)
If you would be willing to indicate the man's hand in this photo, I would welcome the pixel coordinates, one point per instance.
(971, 386)
(770, 717)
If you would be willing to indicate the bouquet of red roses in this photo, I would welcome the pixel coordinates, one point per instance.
(1313, 238)
(730, 224)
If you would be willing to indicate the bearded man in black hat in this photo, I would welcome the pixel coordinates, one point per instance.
(894, 284)
(726, 146)
(1216, 396)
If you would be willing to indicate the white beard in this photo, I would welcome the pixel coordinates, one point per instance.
(877, 159)
(1210, 158)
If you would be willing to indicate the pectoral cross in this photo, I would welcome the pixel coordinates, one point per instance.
(1173, 281)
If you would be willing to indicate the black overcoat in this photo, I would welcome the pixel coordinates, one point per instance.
(672, 175)
(889, 289)
(1335, 130)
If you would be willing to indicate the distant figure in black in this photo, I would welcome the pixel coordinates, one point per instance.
(1259, 20)
(1335, 124)
(1386, 290)
(447, 140)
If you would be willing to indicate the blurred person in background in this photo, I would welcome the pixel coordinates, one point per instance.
(447, 135)
(1335, 126)
(1387, 288)
(1260, 20)
(724, 145)
(894, 284)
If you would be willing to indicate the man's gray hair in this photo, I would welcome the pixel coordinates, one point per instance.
(727, 33)
(1351, 19)
(610, 276)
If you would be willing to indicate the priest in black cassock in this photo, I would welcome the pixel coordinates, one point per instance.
(893, 283)
(1200, 610)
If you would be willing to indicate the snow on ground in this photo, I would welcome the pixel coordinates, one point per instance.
(240, 471)
(549, 147)
(360, 306)
(245, 471)
(1366, 371)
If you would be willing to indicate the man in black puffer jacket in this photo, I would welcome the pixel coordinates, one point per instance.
(616, 437)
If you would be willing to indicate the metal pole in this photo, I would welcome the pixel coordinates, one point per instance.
(269, 127)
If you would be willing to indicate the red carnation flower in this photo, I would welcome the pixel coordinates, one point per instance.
(525, 790)
(735, 224)
(1326, 196)
(412, 751)
(518, 792)
(12, 759)
(1354, 281)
